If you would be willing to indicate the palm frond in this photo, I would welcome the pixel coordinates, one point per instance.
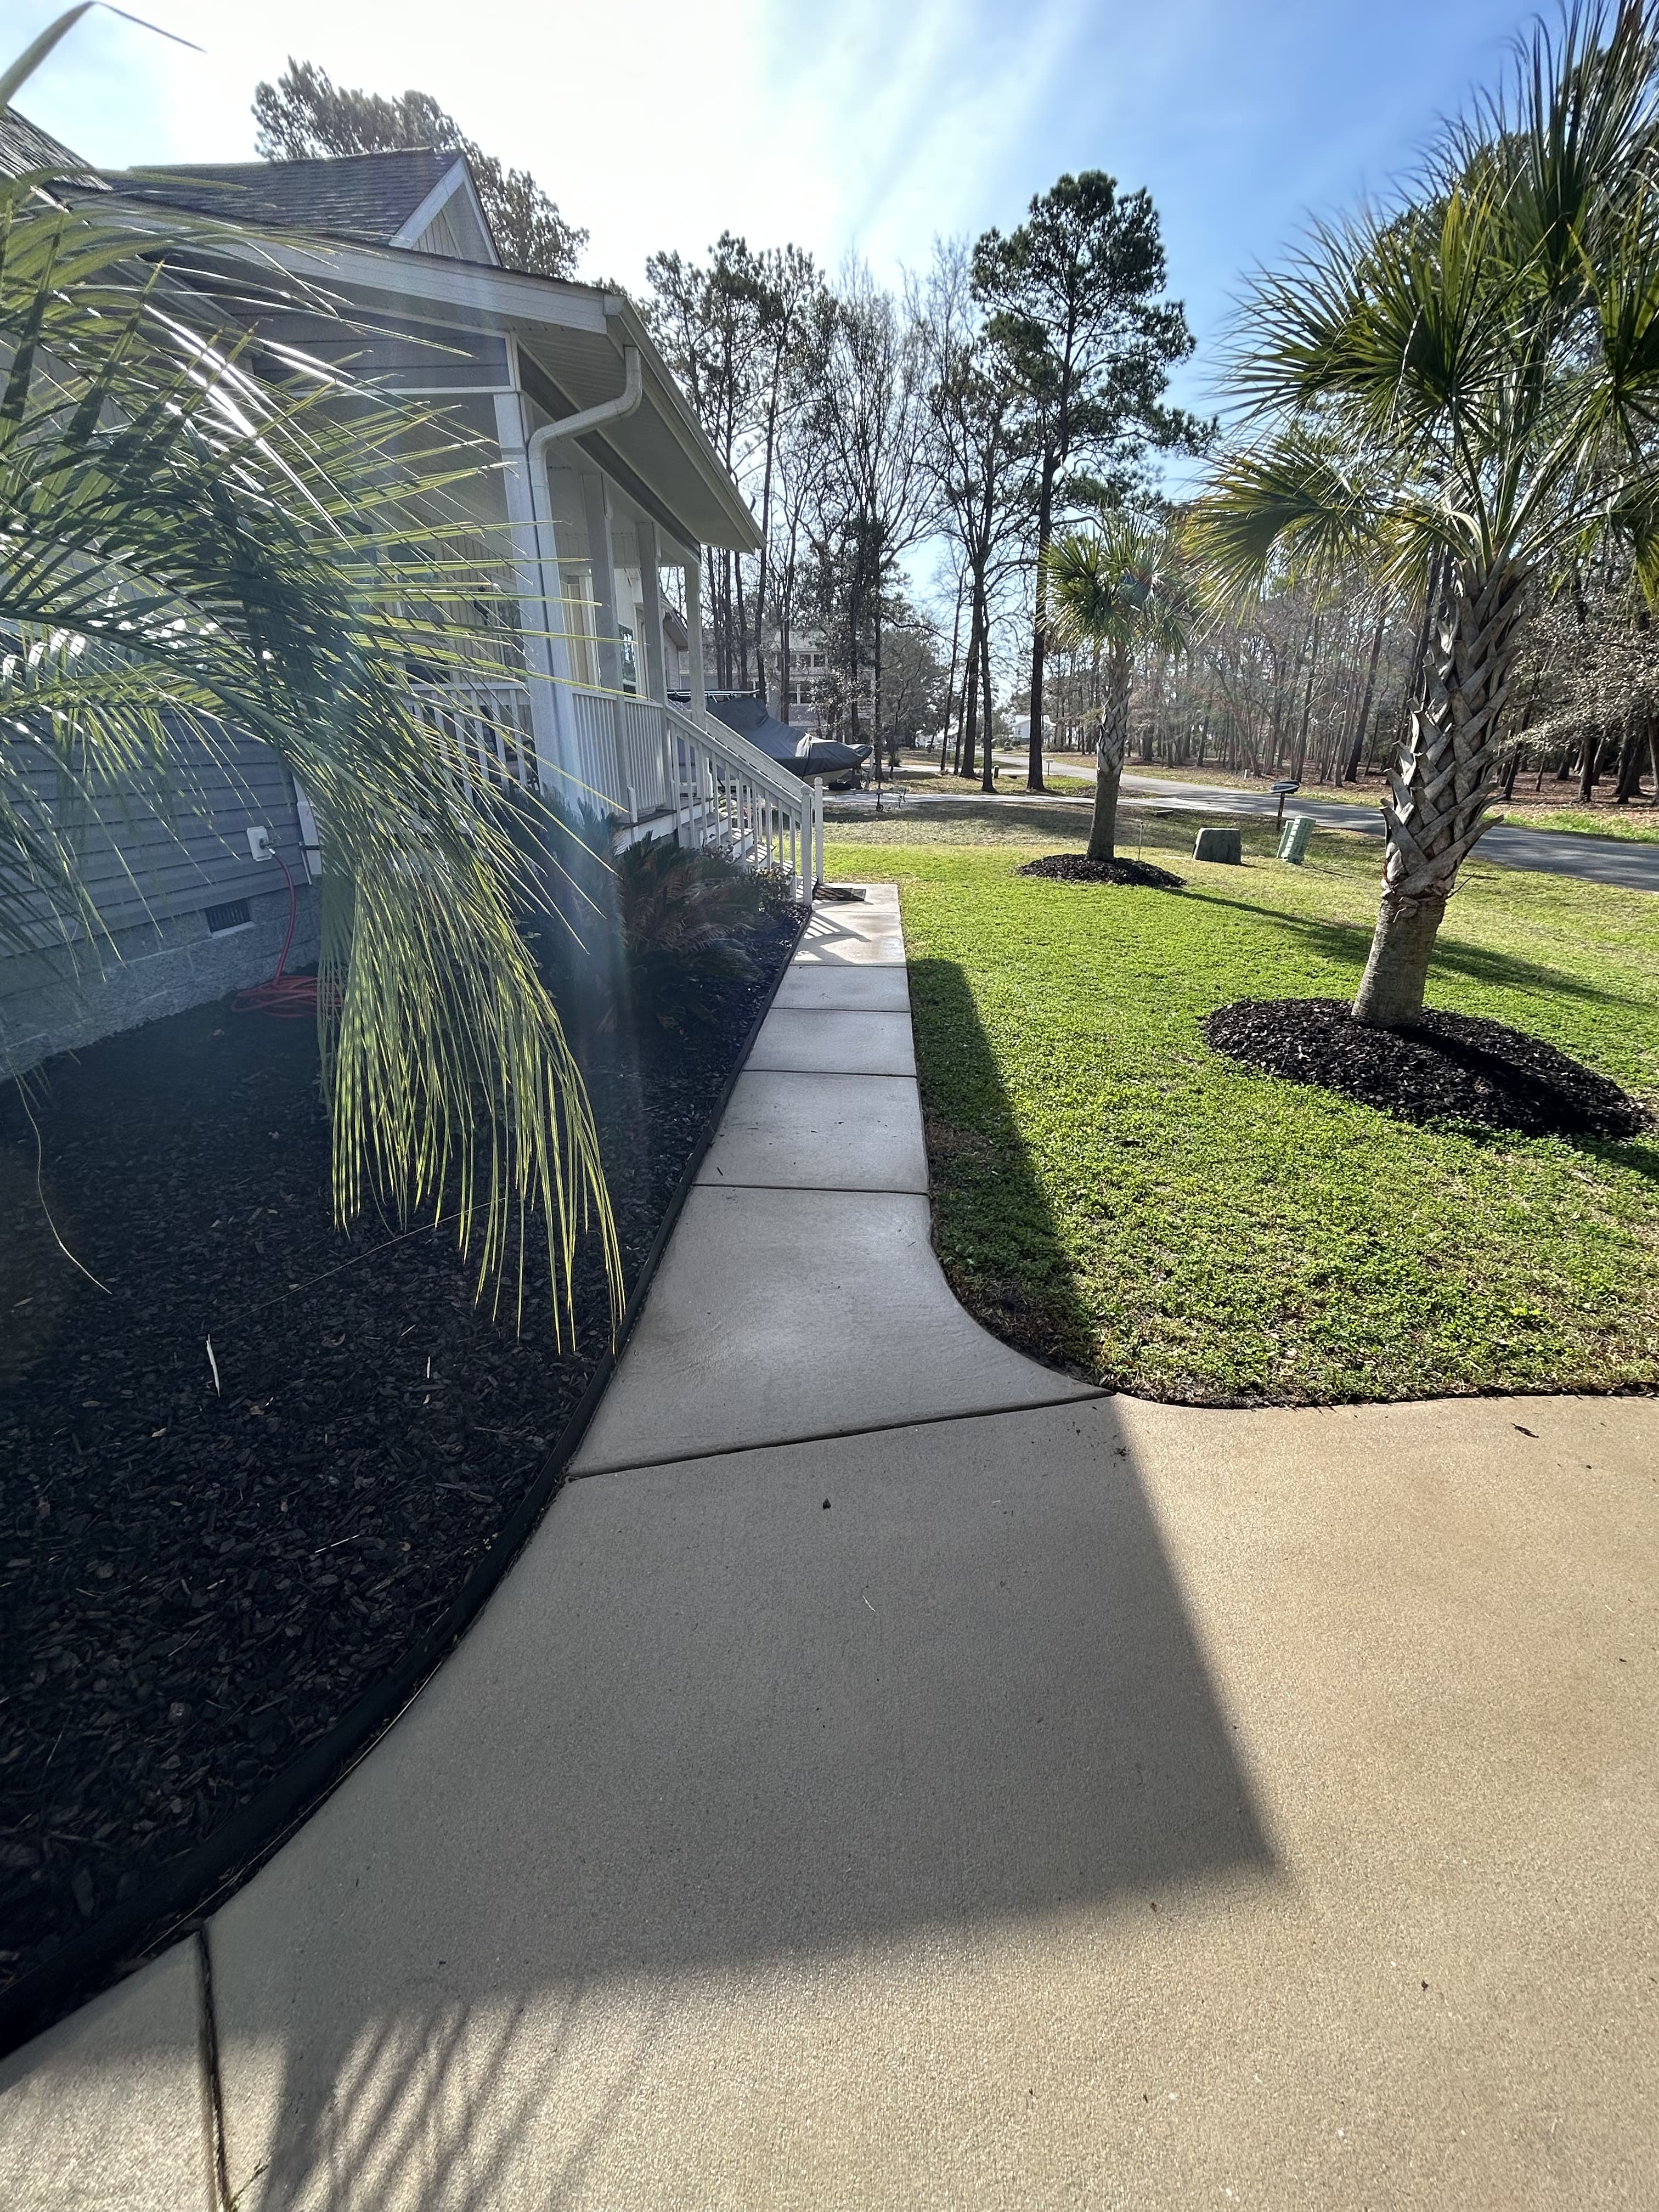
(210, 535)
(1117, 584)
(1294, 503)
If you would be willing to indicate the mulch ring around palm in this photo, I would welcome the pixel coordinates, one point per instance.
(1447, 1067)
(1073, 868)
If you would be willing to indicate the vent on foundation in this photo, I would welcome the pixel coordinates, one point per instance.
(221, 919)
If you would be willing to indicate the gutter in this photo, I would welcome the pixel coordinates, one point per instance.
(591, 418)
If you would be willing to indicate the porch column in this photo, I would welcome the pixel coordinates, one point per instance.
(651, 663)
(694, 635)
(532, 538)
(602, 560)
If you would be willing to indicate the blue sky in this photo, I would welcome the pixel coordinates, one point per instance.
(846, 124)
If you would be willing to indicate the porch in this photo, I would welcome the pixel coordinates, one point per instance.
(652, 768)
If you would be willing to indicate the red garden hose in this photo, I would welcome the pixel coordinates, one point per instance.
(286, 998)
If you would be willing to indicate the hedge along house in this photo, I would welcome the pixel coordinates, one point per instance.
(595, 478)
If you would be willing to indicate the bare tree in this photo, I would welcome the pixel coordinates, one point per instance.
(877, 493)
(975, 451)
(709, 322)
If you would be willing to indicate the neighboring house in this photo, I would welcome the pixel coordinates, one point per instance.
(599, 480)
(808, 673)
(816, 687)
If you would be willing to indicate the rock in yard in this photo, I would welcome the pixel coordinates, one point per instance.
(1227, 844)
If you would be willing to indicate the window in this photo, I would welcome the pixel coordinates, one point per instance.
(630, 668)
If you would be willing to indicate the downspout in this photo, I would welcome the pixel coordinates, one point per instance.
(591, 418)
(574, 426)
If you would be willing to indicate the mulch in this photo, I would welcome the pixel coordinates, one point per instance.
(1448, 1068)
(1073, 868)
(196, 1581)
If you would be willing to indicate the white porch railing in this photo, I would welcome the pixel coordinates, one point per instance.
(619, 758)
(659, 767)
(488, 724)
(733, 796)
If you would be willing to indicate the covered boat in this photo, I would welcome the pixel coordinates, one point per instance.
(838, 764)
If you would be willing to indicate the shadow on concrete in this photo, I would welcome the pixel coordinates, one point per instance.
(710, 1726)
(993, 1230)
(442, 2109)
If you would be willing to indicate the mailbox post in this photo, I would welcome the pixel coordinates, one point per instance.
(1283, 790)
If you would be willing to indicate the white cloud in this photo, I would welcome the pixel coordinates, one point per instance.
(857, 126)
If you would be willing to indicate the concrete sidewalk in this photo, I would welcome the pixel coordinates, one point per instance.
(895, 1774)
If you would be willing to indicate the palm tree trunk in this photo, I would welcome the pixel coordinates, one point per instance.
(1110, 747)
(1445, 780)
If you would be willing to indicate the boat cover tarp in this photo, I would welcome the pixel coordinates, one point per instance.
(796, 749)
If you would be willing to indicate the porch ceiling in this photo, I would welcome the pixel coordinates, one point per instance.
(649, 453)
(570, 338)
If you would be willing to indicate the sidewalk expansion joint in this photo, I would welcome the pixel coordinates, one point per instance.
(719, 1182)
(1079, 1395)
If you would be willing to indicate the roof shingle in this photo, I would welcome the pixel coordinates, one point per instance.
(366, 198)
(25, 148)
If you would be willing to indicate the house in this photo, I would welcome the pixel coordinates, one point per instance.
(597, 481)
(809, 673)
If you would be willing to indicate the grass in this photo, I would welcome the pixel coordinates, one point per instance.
(1636, 829)
(1114, 1196)
(919, 771)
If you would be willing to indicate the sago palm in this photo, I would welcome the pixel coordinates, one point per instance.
(1111, 589)
(1460, 391)
(207, 539)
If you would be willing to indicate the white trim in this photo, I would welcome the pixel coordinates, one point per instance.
(525, 521)
(693, 573)
(653, 674)
(494, 296)
(499, 296)
(458, 178)
(591, 418)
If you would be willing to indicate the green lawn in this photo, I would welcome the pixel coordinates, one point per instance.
(1111, 1194)
(1637, 829)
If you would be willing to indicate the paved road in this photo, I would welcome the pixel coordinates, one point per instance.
(1547, 852)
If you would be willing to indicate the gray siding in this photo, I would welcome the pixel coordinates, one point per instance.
(153, 882)
(423, 354)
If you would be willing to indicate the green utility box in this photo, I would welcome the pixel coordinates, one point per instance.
(1293, 845)
(1220, 845)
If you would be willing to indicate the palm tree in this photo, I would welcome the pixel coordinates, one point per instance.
(1461, 392)
(1111, 589)
(203, 533)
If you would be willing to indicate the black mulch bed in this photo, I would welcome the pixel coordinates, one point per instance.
(194, 1587)
(1073, 868)
(1450, 1067)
